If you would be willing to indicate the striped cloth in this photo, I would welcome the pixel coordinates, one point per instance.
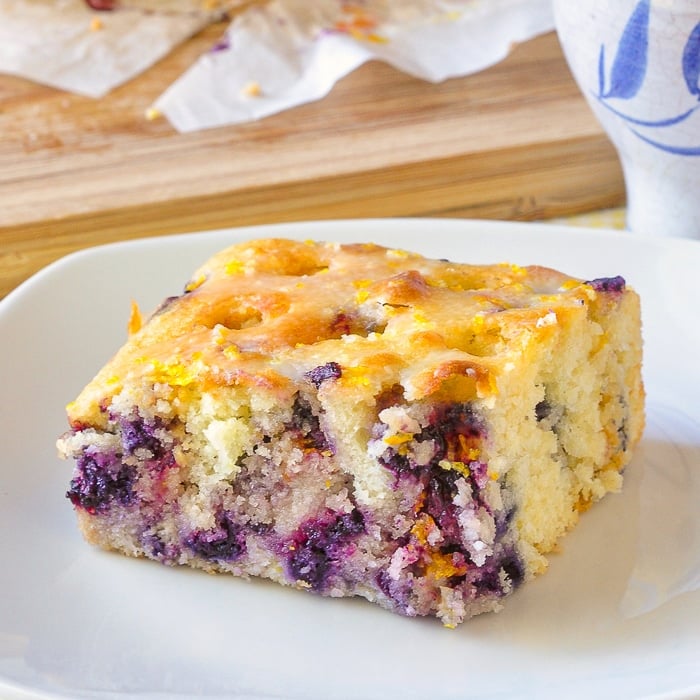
(606, 218)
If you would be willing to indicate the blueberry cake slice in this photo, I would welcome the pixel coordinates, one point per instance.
(361, 421)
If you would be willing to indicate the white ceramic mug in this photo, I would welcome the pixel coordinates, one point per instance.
(637, 63)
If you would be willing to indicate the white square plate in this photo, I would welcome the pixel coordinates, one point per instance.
(79, 623)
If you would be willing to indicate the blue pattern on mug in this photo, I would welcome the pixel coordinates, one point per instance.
(691, 62)
(630, 64)
(629, 70)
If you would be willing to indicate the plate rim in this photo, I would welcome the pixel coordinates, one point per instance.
(29, 286)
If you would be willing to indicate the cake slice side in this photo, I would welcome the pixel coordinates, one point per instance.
(354, 420)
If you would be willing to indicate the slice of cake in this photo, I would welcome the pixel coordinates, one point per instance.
(360, 421)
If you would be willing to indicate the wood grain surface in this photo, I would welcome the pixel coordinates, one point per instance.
(513, 142)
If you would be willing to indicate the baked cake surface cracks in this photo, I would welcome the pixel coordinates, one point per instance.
(361, 421)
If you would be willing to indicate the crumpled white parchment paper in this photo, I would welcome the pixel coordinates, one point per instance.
(275, 54)
(67, 45)
(285, 53)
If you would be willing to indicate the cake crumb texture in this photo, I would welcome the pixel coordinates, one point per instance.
(354, 420)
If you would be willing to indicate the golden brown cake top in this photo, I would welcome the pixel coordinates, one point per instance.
(265, 312)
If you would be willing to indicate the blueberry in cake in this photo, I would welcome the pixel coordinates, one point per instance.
(362, 421)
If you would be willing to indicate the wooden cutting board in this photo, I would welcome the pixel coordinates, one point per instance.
(513, 142)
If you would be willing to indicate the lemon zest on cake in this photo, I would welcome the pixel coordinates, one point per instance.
(397, 253)
(420, 317)
(195, 284)
(442, 566)
(570, 284)
(172, 373)
(362, 294)
(449, 465)
(398, 439)
(356, 376)
(423, 527)
(135, 319)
